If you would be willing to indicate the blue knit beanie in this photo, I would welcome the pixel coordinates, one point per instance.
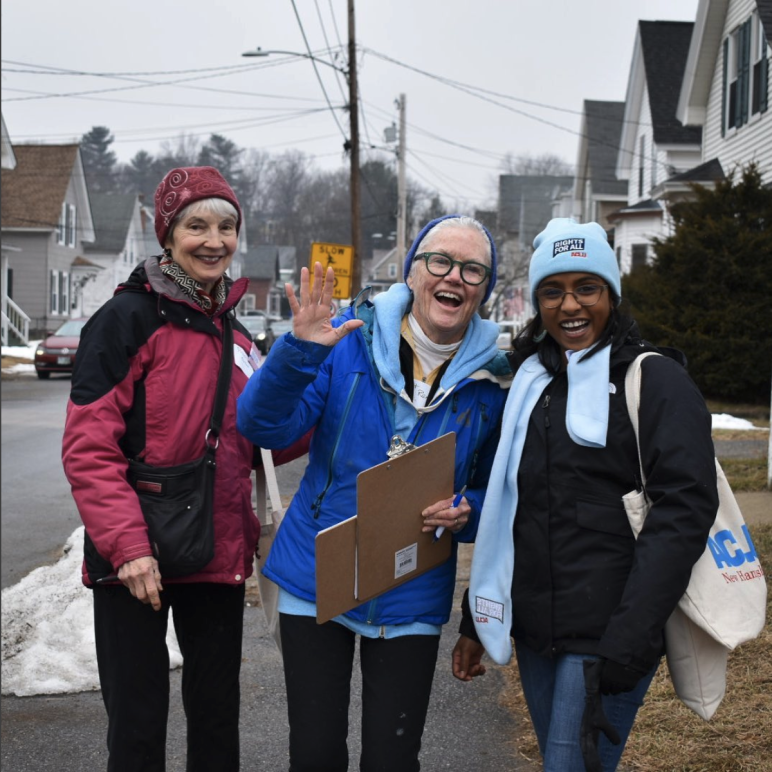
(420, 237)
(565, 246)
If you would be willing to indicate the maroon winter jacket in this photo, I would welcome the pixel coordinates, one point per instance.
(143, 387)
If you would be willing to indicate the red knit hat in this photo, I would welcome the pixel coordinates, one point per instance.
(181, 187)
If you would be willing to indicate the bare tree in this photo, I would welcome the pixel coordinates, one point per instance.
(533, 166)
(181, 152)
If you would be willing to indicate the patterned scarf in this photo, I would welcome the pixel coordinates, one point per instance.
(191, 288)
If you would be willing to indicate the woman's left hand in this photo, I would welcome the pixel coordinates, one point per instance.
(444, 514)
(311, 314)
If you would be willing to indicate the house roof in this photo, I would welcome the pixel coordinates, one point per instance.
(112, 214)
(701, 61)
(665, 47)
(262, 263)
(603, 130)
(710, 171)
(642, 207)
(33, 192)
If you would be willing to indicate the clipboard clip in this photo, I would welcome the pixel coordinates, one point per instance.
(399, 447)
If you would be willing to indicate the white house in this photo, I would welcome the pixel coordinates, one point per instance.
(120, 226)
(654, 145)
(725, 89)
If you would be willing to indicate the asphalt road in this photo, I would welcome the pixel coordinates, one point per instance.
(467, 728)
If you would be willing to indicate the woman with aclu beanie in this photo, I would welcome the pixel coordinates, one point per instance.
(418, 362)
(556, 566)
(143, 388)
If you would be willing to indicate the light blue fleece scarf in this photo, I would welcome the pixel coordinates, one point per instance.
(493, 562)
(477, 349)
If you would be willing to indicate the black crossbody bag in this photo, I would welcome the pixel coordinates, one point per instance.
(177, 501)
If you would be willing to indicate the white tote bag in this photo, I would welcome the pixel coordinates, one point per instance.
(269, 524)
(725, 602)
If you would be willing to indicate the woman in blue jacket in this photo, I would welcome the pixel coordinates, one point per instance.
(418, 362)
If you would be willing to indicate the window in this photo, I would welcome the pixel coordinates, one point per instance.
(54, 285)
(746, 74)
(392, 270)
(70, 225)
(62, 225)
(619, 256)
(64, 292)
(59, 284)
(640, 252)
(641, 157)
(653, 163)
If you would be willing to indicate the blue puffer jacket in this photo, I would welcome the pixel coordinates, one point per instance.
(353, 394)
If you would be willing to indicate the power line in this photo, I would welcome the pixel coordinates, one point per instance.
(327, 43)
(316, 69)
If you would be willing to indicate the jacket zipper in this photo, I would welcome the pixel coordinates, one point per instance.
(317, 505)
(545, 406)
(483, 419)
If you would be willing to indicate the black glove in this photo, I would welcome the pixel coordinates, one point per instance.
(616, 678)
(594, 720)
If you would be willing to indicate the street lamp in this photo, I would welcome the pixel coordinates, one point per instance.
(351, 145)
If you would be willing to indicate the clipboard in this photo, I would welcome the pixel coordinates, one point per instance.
(383, 546)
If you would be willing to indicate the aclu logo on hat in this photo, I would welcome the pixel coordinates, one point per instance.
(568, 245)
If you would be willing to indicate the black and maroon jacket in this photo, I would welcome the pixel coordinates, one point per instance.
(143, 387)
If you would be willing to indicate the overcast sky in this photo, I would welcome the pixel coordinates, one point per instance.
(542, 59)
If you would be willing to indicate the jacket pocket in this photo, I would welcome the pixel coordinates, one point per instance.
(603, 517)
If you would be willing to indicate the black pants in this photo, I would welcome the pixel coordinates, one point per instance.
(396, 684)
(134, 674)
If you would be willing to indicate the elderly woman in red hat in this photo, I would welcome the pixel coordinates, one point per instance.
(143, 388)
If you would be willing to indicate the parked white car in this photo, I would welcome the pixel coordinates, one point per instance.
(507, 332)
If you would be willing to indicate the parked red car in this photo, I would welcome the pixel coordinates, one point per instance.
(56, 353)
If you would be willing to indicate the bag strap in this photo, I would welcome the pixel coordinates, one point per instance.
(273, 486)
(633, 398)
(223, 378)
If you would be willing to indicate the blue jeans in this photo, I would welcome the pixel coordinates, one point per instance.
(554, 691)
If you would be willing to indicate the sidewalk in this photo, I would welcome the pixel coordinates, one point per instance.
(756, 507)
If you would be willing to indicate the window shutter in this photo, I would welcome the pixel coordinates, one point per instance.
(723, 87)
(743, 73)
(764, 84)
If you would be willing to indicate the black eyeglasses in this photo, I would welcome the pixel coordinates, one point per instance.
(586, 295)
(441, 265)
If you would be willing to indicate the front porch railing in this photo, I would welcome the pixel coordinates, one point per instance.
(15, 321)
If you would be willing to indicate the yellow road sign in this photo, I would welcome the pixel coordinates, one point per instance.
(338, 256)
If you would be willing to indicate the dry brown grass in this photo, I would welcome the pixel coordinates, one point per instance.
(668, 737)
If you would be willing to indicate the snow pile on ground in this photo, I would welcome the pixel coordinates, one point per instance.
(726, 421)
(21, 352)
(48, 630)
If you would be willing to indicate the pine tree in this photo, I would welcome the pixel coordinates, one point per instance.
(708, 291)
(98, 160)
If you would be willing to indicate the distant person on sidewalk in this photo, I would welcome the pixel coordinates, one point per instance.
(555, 564)
(418, 362)
(143, 388)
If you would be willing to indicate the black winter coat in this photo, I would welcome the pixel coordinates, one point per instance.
(582, 583)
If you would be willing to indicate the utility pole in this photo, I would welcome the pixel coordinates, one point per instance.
(353, 106)
(401, 186)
